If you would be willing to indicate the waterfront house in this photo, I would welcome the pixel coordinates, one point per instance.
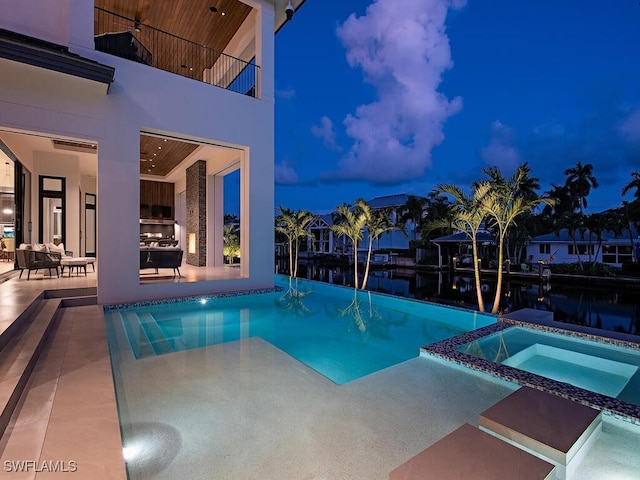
(562, 247)
(123, 121)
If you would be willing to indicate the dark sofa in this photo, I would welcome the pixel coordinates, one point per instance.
(161, 257)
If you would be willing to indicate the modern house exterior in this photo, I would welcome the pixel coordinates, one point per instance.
(124, 120)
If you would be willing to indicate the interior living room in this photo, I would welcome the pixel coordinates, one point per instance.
(168, 253)
(199, 86)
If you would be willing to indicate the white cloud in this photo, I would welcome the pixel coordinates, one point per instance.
(403, 50)
(286, 94)
(500, 152)
(630, 127)
(326, 133)
(285, 174)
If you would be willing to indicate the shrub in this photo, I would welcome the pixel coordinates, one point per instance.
(593, 269)
(631, 269)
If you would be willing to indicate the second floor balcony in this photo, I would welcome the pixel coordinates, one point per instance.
(137, 39)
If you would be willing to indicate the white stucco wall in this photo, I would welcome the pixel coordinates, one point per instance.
(44, 19)
(143, 98)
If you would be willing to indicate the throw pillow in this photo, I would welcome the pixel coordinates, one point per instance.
(39, 247)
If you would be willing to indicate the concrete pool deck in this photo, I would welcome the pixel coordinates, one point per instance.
(246, 410)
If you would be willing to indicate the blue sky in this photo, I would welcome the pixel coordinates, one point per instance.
(395, 96)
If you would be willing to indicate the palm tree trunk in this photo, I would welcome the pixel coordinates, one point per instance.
(355, 264)
(290, 257)
(366, 269)
(496, 300)
(476, 273)
(295, 269)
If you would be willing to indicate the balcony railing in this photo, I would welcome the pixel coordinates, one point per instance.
(126, 38)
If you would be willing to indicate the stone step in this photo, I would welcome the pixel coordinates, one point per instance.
(20, 353)
(469, 452)
(555, 429)
(136, 334)
(158, 339)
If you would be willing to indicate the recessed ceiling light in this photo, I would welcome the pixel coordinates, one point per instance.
(223, 14)
(159, 148)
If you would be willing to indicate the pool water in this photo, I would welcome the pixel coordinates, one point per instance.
(611, 370)
(342, 333)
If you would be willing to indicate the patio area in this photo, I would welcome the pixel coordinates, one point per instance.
(245, 410)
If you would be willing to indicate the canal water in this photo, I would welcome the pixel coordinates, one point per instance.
(609, 309)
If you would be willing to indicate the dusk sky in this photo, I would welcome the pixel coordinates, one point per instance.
(395, 96)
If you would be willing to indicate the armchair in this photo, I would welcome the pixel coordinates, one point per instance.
(29, 259)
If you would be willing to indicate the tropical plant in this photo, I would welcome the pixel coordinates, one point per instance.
(574, 224)
(414, 210)
(580, 180)
(467, 215)
(377, 222)
(349, 222)
(525, 189)
(503, 205)
(293, 224)
(231, 242)
(633, 183)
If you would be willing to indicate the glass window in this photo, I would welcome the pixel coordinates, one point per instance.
(545, 248)
(608, 254)
(581, 250)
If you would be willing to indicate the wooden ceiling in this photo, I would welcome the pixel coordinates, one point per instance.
(158, 156)
(189, 19)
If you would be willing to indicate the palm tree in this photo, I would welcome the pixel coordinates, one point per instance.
(231, 242)
(467, 215)
(377, 222)
(350, 223)
(503, 207)
(632, 209)
(413, 210)
(580, 180)
(294, 226)
(526, 189)
(633, 183)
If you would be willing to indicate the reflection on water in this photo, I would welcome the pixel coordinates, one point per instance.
(605, 309)
(365, 317)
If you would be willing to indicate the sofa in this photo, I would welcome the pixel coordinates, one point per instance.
(40, 257)
(161, 257)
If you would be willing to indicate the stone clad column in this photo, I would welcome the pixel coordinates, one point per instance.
(197, 214)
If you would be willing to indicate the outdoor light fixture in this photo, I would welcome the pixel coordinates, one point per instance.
(289, 11)
(136, 26)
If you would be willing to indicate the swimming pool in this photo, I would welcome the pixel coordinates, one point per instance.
(342, 333)
(603, 368)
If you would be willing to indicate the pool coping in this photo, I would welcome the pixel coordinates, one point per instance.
(448, 350)
(188, 299)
